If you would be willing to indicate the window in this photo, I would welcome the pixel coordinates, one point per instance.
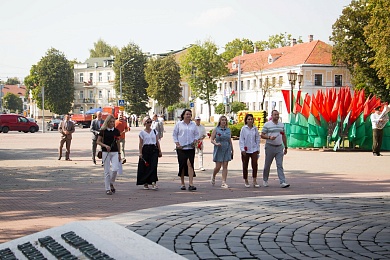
(201, 108)
(254, 84)
(81, 110)
(280, 81)
(91, 77)
(260, 83)
(254, 105)
(81, 78)
(273, 81)
(338, 80)
(259, 105)
(91, 94)
(317, 79)
(266, 106)
(220, 88)
(248, 84)
(242, 85)
(100, 77)
(108, 76)
(280, 106)
(100, 94)
(81, 94)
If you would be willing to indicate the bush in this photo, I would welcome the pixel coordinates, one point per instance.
(235, 129)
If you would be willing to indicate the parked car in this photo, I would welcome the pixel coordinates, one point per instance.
(53, 124)
(14, 122)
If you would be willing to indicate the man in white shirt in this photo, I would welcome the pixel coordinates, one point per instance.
(275, 147)
(199, 146)
(158, 126)
(377, 132)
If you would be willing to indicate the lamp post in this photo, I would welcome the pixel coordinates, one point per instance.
(300, 80)
(292, 78)
(120, 76)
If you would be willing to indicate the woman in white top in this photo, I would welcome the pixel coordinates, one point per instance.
(149, 151)
(185, 134)
(250, 148)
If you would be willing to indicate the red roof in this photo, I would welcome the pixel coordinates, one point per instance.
(315, 52)
(19, 90)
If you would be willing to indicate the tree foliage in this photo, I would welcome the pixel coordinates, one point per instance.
(377, 33)
(235, 48)
(12, 102)
(163, 78)
(202, 66)
(351, 48)
(102, 49)
(219, 109)
(55, 73)
(12, 81)
(238, 106)
(276, 41)
(134, 85)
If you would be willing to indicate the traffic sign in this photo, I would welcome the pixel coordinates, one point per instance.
(192, 104)
(122, 108)
(121, 102)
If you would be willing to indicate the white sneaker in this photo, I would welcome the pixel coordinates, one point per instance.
(284, 185)
(224, 185)
(202, 169)
(265, 183)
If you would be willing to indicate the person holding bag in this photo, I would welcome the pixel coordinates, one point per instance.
(108, 139)
(223, 150)
(149, 151)
(250, 148)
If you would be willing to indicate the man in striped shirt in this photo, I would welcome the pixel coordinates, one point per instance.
(275, 147)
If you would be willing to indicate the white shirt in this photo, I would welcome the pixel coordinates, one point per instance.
(249, 138)
(148, 138)
(374, 120)
(202, 131)
(185, 134)
(272, 129)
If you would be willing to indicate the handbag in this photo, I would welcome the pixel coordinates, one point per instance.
(100, 153)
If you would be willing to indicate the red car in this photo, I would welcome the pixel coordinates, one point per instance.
(14, 122)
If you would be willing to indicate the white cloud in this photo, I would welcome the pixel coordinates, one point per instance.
(213, 16)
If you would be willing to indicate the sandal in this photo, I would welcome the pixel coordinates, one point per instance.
(112, 188)
(183, 187)
(108, 192)
(212, 180)
(154, 186)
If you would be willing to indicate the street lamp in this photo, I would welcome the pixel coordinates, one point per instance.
(292, 78)
(120, 76)
(300, 80)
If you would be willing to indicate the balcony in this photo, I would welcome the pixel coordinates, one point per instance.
(85, 101)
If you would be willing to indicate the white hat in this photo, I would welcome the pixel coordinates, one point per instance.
(197, 118)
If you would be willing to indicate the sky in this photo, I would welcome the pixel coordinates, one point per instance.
(29, 28)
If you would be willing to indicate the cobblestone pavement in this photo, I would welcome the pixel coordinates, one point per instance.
(310, 227)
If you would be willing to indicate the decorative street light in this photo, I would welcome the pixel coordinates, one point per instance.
(292, 78)
(300, 80)
(120, 76)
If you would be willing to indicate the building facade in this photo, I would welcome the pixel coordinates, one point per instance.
(257, 79)
(94, 84)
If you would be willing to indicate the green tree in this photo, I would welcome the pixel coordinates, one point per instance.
(219, 109)
(12, 81)
(276, 41)
(55, 73)
(238, 106)
(352, 50)
(235, 48)
(13, 102)
(202, 66)
(102, 49)
(134, 85)
(163, 78)
(377, 33)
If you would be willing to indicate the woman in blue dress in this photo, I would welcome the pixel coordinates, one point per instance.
(223, 149)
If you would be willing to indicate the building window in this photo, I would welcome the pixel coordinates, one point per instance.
(260, 83)
(100, 94)
(266, 106)
(338, 80)
(248, 84)
(235, 85)
(273, 81)
(254, 84)
(91, 77)
(81, 78)
(317, 79)
(225, 84)
(254, 105)
(108, 76)
(220, 87)
(201, 108)
(280, 106)
(242, 85)
(259, 105)
(81, 94)
(81, 110)
(91, 94)
(100, 77)
(280, 81)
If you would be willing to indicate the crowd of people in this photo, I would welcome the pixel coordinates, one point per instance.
(188, 136)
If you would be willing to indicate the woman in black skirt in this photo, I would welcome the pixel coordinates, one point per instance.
(149, 151)
(185, 134)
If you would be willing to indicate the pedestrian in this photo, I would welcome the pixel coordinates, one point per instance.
(96, 124)
(275, 147)
(108, 139)
(221, 138)
(66, 129)
(158, 126)
(136, 121)
(199, 145)
(185, 134)
(129, 119)
(378, 121)
(121, 125)
(149, 152)
(250, 149)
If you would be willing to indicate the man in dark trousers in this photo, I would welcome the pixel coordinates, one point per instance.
(95, 127)
(66, 129)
